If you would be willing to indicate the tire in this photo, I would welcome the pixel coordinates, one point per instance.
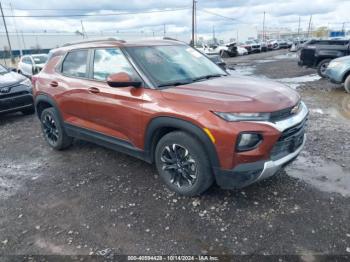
(322, 66)
(187, 175)
(28, 111)
(347, 84)
(53, 130)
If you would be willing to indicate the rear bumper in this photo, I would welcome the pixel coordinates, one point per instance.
(247, 174)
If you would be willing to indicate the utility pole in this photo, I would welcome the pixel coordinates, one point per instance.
(214, 35)
(193, 21)
(308, 31)
(7, 33)
(83, 30)
(299, 29)
(164, 30)
(264, 28)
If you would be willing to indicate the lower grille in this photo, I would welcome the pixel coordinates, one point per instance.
(15, 101)
(290, 140)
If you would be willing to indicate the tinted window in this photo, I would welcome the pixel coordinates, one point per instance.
(75, 63)
(110, 61)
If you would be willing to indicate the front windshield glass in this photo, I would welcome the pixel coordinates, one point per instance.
(174, 64)
(40, 59)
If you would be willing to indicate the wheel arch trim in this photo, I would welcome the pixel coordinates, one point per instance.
(172, 122)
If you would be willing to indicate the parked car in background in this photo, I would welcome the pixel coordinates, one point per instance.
(272, 45)
(318, 53)
(338, 71)
(246, 47)
(15, 92)
(166, 103)
(254, 46)
(282, 44)
(241, 50)
(31, 64)
(227, 50)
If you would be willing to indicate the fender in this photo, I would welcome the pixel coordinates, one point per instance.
(171, 122)
(47, 99)
(345, 75)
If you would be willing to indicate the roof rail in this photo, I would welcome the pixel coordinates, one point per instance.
(93, 41)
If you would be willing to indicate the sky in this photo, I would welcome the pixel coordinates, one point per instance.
(225, 16)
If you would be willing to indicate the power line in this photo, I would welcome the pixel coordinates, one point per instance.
(216, 14)
(106, 14)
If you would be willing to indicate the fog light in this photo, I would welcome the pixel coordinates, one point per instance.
(248, 141)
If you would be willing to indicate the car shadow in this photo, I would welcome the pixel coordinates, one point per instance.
(13, 117)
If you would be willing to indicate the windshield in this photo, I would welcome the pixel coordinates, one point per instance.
(174, 64)
(40, 59)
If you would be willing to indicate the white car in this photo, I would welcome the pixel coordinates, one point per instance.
(241, 50)
(31, 64)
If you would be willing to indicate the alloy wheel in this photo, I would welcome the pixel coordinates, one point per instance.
(51, 131)
(179, 165)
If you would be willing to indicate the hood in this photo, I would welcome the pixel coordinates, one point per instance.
(235, 94)
(342, 59)
(10, 78)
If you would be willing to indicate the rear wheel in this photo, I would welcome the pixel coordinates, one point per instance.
(53, 130)
(183, 164)
(347, 84)
(322, 67)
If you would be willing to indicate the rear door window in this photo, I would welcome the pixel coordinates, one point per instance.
(75, 63)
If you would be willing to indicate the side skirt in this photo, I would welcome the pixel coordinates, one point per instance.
(113, 143)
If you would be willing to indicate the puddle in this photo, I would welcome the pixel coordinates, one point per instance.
(323, 175)
(261, 61)
(286, 56)
(294, 82)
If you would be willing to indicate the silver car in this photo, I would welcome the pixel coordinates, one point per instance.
(338, 71)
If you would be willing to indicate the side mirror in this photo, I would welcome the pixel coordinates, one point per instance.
(122, 80)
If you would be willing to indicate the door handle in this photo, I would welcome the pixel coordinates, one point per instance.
(54, 84)
(94, 90)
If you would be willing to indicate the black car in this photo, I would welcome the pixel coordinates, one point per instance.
(318, 53)
(15, 92)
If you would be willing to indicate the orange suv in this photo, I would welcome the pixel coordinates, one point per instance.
(166, 103)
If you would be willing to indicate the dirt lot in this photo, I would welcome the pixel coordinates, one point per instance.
(91, 200)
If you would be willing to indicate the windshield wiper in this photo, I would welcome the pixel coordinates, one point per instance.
(177, 83)
(208, 77)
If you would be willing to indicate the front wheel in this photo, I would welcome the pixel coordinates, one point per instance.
(53, 130)
(347, 84)
(183, 164)
(322, 67)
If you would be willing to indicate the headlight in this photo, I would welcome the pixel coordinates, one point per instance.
(248, 141)
(26, 82)
(233, 117)
(335, 64)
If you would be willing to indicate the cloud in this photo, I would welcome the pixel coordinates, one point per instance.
(243, 13)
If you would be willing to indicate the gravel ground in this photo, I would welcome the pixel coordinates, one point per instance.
(91, 200)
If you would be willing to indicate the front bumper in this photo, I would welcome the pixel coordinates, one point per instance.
(247, 174)
(16, 102)
(288, 147)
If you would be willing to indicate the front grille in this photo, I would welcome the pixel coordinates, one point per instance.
(281, 114)
(8, 95)
(290, 140)
(307, 56)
